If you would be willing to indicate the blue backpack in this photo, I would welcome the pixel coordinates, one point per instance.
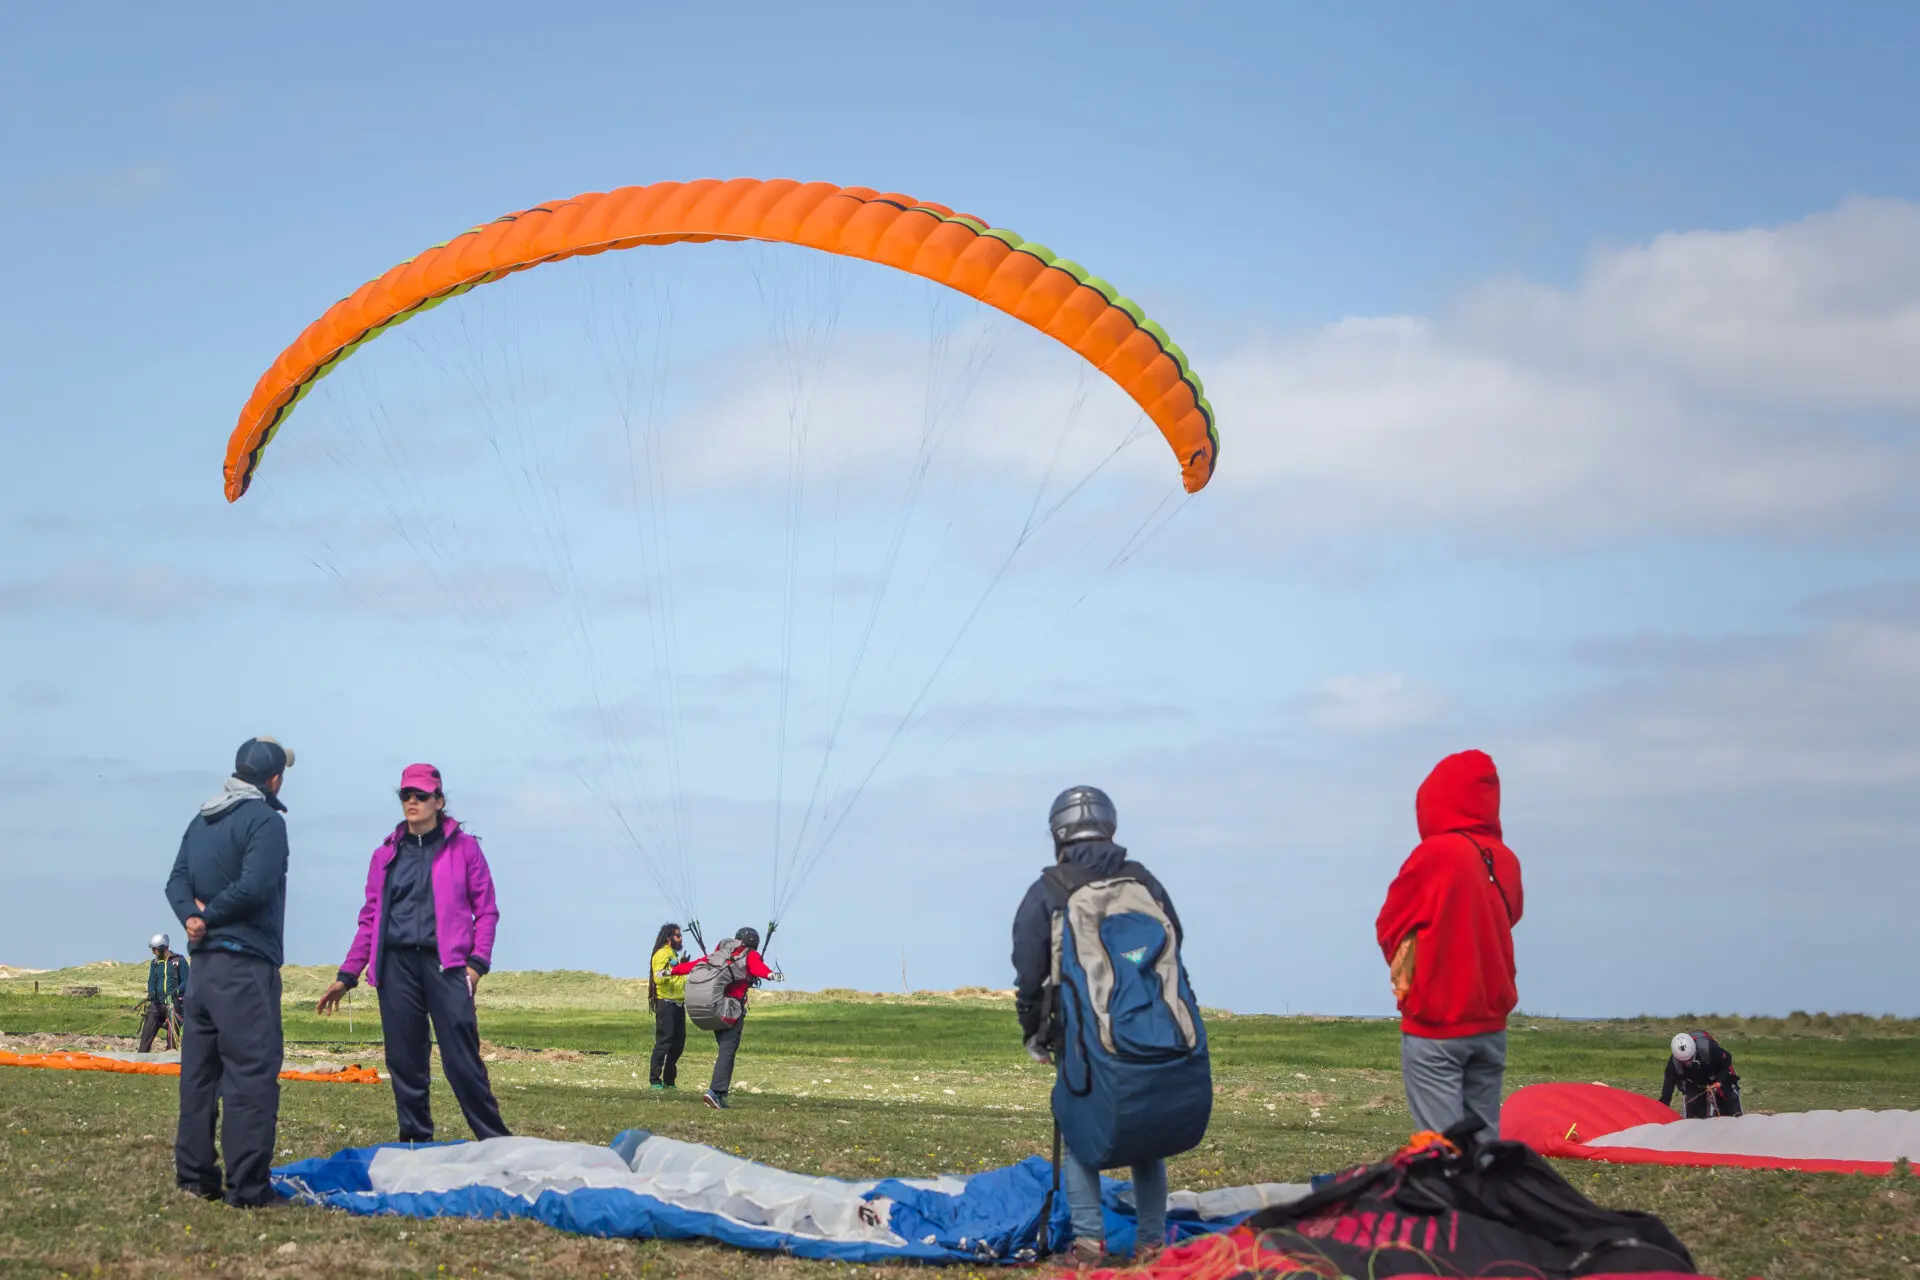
(1134, 1081)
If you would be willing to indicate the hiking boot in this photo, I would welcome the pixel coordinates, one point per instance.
(274, 1202)
(718, 1101)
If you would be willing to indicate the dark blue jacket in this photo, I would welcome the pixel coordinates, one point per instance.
(167, 979)
(233, 857)
(1033, 925)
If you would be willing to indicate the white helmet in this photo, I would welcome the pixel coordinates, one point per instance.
(1684, 1048)
(157, 942)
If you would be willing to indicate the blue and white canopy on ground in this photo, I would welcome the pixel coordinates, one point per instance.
(647, 1186)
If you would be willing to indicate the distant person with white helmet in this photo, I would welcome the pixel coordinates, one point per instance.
(1702, 1070)
(166, 989)
(229, 888)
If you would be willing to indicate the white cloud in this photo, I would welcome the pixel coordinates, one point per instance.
(1821, 313)
(1835, 709)
(1761, 380)
(1371, 704)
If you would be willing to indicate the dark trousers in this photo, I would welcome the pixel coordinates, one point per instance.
(156, 1019)
(414, 990)
(230, 1071)
(729, 1045)
(669, 1041)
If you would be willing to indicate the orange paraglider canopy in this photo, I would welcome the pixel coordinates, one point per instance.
(1025, 280)
(66, 1061)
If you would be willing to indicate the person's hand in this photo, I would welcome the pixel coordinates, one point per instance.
(473, 981)
(331, 1000)
(1037, 1050)
(196, 927)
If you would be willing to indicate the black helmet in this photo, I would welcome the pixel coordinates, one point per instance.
(750, 936)
(1082, 813)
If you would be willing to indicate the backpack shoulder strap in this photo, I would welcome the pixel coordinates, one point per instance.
(1486, 859)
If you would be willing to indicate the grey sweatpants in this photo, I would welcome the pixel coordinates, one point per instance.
(1447, 1080)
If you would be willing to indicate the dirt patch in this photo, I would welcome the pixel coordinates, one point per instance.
(54, 1042)
(490, 1052)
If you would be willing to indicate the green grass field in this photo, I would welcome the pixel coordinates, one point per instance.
(853, 1086)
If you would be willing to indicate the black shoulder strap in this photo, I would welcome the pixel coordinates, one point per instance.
(1487, 859)
(1065, 878)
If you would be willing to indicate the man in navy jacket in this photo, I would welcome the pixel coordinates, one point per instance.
(229, 889)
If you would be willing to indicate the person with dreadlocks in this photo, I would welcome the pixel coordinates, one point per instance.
(667, 997)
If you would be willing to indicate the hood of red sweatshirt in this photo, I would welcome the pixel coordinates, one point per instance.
(1461, 794)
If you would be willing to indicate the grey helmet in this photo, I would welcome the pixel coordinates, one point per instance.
(749, 936)
(158, 942)
(1082, 813)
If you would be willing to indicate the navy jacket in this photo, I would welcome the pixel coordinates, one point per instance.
(1033, 925)
(233, 857)
(167, 979)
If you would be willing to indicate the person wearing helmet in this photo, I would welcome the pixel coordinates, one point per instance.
(1083, 822)
(1702, 1070)
(229, 890)
(727, 1041)
(425, 940)
(166, 990)
(1446, 930)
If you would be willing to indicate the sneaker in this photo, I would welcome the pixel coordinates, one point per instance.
(1148, 1254)
(1086, 1255)
(198, 1193)
(718, 1101)
(657, 1088)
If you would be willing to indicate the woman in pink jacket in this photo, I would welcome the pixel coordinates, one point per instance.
(425, 941)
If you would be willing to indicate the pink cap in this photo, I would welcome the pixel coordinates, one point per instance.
(420, 777)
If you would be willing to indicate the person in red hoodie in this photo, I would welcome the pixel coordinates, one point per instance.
(1447, 933)
(727, 1042)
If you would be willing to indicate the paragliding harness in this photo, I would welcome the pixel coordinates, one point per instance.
(171, 1024)
(1718, 1096)
(1451, 1205)
(1133, 1082)
(171, 1021)
(709, 1007)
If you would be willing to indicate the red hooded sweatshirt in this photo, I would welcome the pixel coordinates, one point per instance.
(1457, 978)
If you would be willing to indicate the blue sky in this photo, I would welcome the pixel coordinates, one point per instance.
(1567, 367)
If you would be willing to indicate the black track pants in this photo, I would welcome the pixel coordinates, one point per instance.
(414, 990)
(669, 1041)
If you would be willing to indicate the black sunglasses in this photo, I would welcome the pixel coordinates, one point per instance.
(409, 794)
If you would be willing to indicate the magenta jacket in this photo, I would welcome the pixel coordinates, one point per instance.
(464, 913)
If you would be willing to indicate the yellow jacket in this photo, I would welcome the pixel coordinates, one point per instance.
(665, 984)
